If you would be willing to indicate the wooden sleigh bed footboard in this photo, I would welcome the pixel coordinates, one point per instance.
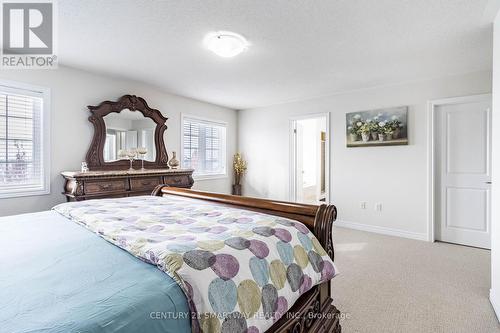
(313, 312)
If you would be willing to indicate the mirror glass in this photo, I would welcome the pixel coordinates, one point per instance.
(129, 132)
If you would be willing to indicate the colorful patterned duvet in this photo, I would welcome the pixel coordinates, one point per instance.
(240, 270)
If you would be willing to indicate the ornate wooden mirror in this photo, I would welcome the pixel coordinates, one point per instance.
(126, 125)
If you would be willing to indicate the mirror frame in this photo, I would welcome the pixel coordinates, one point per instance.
(95, 154)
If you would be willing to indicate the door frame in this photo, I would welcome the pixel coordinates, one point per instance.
(431, 153)
(293, 158)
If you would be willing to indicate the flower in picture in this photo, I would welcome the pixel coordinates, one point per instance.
(365, 128)
(357, 116)
(359, 123)
(381, 124)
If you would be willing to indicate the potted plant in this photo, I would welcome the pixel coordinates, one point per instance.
(353, 133)
(365, 132)
(381, 130)
(396, 125)
(373, 129)
(388, 133)
(354, 128)
(239, 168)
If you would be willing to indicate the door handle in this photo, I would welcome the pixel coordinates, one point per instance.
(488, 183)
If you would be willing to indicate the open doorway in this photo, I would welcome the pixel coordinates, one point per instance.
(310, 167)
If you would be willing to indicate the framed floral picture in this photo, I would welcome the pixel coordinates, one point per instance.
(381, 127)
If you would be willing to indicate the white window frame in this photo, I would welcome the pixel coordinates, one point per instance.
(198, 177)
(24, 191)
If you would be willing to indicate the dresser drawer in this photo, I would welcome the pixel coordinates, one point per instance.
(101, 186)
(146, 184)
(177, 181)
(121, 183)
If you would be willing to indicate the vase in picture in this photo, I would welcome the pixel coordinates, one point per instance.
(365, 136)
(374, 136)
(174, 162)
(353, 137)
(381, 137)
(396, 133)
(388, 136)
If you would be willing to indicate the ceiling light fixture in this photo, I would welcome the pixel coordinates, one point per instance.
(225, 43)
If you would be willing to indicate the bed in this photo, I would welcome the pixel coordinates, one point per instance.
(57, 276)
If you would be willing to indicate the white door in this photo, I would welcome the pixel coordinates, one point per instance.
(463, 151)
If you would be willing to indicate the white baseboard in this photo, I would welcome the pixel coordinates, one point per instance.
(495, 302)
(380, 230)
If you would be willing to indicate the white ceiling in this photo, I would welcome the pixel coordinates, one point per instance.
(300, 49)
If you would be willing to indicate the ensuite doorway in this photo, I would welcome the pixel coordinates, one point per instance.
(310, 160)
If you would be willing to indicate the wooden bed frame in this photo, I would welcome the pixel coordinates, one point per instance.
(313, 312)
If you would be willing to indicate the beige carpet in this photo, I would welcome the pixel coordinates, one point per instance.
(391, 284)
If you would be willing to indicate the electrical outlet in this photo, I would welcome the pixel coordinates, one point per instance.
(378, 207)
(362, 205)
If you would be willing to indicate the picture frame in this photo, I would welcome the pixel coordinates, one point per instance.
(379, 127)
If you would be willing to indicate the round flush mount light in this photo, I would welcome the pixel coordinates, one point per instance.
(225, 43)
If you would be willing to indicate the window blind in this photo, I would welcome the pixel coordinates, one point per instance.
(21, 146)
(204, 146)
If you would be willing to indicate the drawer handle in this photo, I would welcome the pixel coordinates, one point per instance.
(146, 183)
(106, 186)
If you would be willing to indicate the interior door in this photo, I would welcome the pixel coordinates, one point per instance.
(464, 172)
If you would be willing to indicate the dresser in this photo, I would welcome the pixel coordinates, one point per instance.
(127, 155)
(121, 183)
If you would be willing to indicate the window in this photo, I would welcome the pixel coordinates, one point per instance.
(23, 141)
(204, 147)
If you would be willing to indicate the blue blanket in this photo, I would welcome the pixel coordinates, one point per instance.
(56, 276)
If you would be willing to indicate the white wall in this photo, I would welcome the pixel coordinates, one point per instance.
(72, 90)
(495, 187)
(394, 176)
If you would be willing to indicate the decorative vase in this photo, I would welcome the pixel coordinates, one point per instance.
(85, 167)
(381, 137)
(374, 136)
(131, 155)
(237, 189)
(365, 136)
(142, 151)
(353, 137)
(174, 162)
